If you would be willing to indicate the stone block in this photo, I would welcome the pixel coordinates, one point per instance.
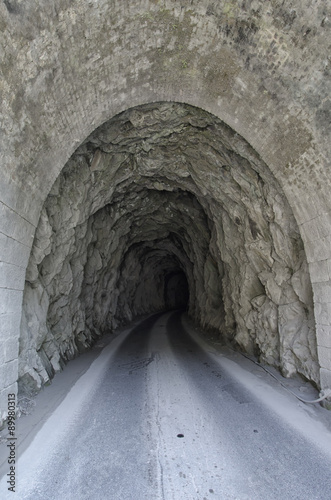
(10, 301)
(324, 224)
(2, 356)
(322, 292)
(324, 357)
(11, 276)
(19, 200)
(325, 378)
(9, 325)
(317, 228)
(15, 226)
(317, 250)
(13, 252)
(310, 230)
(319, 271)
(305, 209)
(9, 373)
(11, 348)
(323, 313)
(323, 334)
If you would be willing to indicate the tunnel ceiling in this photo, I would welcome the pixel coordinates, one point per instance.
(161, 190)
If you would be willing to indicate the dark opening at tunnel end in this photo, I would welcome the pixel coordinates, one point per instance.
(166, 207)
(176, 291)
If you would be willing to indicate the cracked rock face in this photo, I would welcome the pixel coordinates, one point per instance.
(164, 206)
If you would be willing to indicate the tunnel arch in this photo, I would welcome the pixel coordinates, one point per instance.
(176, 290)
(261, 71)
(157, 188)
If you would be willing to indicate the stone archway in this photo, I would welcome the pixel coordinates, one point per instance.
(159, 188)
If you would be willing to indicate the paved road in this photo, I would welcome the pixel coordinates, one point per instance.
(166, 422)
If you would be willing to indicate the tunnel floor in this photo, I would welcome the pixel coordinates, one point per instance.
(165, 419)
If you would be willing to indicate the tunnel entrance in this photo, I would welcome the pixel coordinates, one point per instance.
(176, 291)
(165, 205)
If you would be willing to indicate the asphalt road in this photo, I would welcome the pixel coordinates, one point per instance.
(164, 421)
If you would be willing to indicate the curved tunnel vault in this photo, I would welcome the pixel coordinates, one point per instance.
(166, 206)
(176, 290)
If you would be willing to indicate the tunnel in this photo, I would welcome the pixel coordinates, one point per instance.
(164, 207)
(160, 155)
(176, 292)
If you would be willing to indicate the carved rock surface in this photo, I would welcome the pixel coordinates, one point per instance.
(160, 207)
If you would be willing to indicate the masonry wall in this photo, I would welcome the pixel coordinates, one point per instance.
(67, 67)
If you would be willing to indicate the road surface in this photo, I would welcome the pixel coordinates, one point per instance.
(162, 420)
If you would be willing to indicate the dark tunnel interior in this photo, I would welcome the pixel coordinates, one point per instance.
(164, 207)
(176, 291)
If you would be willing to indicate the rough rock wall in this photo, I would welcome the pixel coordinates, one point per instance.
(160, 189)
(263, 67)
